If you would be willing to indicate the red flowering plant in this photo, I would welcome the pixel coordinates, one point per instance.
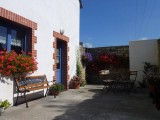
(108, 58)
(13, 64)
(102, 61)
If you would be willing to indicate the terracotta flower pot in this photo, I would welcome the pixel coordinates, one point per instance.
(54, 92)
(152, 90)
(76, 85)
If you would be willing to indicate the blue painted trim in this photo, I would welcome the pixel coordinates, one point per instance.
(24, 43)
(58, 73)
(8, 39)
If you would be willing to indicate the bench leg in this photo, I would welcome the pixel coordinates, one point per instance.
(17, 99)
(109, 86)
(104, 87)
(54, 95)
(26, 100)
(130, 86)
(47, 92)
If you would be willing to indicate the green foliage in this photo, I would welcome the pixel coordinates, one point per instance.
(57, 87)
(83, 83)
(5, 104)
(78, 69)
(80, 72)
(151, 73)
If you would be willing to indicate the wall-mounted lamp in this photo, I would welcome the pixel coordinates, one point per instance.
(61, 31)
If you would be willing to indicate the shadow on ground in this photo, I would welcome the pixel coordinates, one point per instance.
(87, 103)
(95, 105)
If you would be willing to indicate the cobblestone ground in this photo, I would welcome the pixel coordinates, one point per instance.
(87, 103)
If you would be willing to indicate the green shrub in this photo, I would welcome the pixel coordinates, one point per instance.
(5, 104)
(57, 87)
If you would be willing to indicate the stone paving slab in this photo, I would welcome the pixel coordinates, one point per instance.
(87, 103)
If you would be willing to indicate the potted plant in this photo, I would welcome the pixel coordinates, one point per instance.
(75, 82)
(152, 76)
(4, 105)
(157, 93)
(55, 89)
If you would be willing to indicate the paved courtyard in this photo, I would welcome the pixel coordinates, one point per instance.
(87, 103)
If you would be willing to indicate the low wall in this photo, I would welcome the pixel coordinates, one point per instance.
(140, 52)
(122, 56)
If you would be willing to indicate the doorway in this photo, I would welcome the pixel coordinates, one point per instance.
(60, 58)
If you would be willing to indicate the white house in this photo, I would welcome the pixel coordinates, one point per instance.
(143, 51)
(49, 29)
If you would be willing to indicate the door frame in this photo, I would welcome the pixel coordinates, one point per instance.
(65, 57)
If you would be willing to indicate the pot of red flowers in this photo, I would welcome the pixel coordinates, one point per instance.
(16, 65)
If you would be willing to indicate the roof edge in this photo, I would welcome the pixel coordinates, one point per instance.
(81, 5)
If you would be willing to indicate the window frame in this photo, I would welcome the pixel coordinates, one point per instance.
(9, 26)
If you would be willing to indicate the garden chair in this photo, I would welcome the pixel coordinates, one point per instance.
(126, 82)
(110, 81)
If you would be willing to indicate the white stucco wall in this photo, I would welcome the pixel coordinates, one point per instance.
(140, 52)
(6, 90)
(50, 15)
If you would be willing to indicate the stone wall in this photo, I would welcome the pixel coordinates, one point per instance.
(159, 52)
(122, 56)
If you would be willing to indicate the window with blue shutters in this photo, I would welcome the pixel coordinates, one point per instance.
(12, 37)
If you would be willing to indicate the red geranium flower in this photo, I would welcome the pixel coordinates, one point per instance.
(12, 63)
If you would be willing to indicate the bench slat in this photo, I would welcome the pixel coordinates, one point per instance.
(40, 76)
(40, 87)
(34, 84)
(37, 88)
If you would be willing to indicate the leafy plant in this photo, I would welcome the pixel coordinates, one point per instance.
(57, 87)
(78, 69)
(151, 73)
(76, 79)
(83, 83)
(75, 82)
(5, 104)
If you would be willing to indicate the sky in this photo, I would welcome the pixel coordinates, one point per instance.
(116, 22)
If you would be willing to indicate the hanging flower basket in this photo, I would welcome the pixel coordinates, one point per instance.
(86, 58)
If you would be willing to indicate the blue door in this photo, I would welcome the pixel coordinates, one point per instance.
(59, 64)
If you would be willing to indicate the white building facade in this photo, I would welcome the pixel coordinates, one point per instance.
(143, 51)
(49, 30)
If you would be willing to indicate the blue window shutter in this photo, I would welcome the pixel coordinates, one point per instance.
(24, 43)
(9, 40)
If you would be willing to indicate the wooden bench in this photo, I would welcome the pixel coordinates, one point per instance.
(31, 83)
